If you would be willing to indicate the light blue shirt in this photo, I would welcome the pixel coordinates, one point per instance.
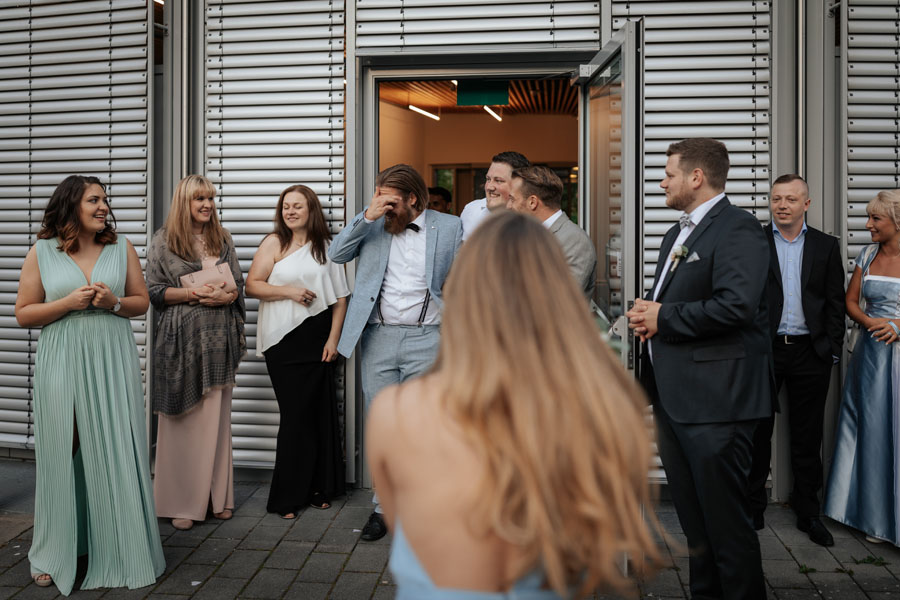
(790, 258)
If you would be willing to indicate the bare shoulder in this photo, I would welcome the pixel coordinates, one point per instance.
(270, 247)
(399, 414)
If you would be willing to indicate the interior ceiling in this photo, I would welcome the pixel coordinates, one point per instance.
(526, 96)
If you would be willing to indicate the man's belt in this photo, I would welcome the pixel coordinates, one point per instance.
(791, 339)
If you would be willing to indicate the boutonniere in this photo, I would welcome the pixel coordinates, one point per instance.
(678, 253)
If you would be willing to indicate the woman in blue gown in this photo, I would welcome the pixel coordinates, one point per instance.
(862, 487)
(517, 467)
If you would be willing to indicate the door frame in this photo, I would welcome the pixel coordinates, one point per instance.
(627, 44)
(362, 122)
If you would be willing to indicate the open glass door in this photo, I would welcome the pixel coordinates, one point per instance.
(612, 165)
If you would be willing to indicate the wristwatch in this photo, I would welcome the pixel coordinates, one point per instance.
(117, 305)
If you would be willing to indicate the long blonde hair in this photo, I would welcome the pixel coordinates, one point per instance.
(178, 223)
(544, 401)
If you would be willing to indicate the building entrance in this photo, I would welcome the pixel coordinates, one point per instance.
(581, 118)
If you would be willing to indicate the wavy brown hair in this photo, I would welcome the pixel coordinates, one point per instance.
(62, 219)
(558, 422)
(179, 234)
(316, 228)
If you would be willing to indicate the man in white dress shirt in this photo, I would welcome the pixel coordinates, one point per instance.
(404, 253)
(537, 191)
(496, 190)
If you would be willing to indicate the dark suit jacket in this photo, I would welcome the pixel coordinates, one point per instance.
(822, 289)
(712, 354)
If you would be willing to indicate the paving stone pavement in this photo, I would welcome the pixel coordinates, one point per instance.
(319, 555)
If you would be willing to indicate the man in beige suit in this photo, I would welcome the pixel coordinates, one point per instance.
(537, 191)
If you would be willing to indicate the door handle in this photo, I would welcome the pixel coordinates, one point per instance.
(620, 327)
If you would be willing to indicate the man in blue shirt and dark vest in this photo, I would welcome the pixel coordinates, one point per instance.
(805, 293)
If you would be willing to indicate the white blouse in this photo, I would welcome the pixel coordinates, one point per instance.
(277, 318)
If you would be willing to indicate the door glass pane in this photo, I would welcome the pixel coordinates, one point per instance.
(605, 181)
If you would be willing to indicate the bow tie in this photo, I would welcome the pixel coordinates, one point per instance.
(413, 226)
(684, 220)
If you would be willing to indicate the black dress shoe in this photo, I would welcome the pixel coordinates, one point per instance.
(375, 528)
(816, 530)
(758, 521)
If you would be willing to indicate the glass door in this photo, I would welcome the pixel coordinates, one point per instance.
(612, 164)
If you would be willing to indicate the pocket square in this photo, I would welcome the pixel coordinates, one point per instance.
(693, 257)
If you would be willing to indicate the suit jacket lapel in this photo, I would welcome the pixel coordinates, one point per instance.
(431, 235)
(664, 250)
(707, 220)
(692, 238)
(809, 254)
(774, 267)
(384, 250)
(557, 224)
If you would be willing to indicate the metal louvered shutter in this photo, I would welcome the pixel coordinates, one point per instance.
(74, 90)
(275, 117)
(871, 99)
(706, 74)
(392, 25)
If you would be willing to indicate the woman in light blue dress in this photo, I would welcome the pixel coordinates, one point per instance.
(863, 484)
(517, 467)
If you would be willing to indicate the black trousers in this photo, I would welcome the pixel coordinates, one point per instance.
(308, 454)
(806, 376)
(707, 466)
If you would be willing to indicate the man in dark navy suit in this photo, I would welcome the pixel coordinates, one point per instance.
(805, 292)
(707, 367)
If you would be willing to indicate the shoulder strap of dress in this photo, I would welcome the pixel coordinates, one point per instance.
(868, 256)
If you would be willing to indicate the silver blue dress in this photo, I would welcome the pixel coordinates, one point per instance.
(863, 484)
(413, 582)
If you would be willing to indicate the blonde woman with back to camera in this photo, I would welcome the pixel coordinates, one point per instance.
(865, 472)
(519, 463)
(198, 346)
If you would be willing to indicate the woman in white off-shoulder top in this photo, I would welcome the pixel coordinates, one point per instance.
(303, 300)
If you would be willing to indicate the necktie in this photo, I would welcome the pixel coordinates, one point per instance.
(684, 220)
(413, 226)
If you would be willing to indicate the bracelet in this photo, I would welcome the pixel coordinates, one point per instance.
(894, 327)
(188, 295)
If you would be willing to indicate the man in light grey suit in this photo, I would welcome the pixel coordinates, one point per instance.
(537, 191)
(405, 253)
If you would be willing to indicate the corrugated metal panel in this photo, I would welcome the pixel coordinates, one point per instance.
(707, 74)
(397, 25)
(872, 126)
(275, 117)
(73, 99)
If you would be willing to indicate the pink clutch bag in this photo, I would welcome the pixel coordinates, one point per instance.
(213, 276)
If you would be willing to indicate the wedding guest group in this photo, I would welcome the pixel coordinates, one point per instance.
(81, 282)
(706, 364)
(303, 301)
(491, 488)
(198, 345)
(404, 254)
(805, 297)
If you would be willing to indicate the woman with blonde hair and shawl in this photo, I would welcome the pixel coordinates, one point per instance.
(198, 345)
(519, 465)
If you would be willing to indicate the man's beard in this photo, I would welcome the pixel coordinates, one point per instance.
(397, 220)
(680, 201)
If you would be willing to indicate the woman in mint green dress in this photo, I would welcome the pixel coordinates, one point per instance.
(93, 496)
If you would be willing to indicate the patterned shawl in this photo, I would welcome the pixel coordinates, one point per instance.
(197, 348)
